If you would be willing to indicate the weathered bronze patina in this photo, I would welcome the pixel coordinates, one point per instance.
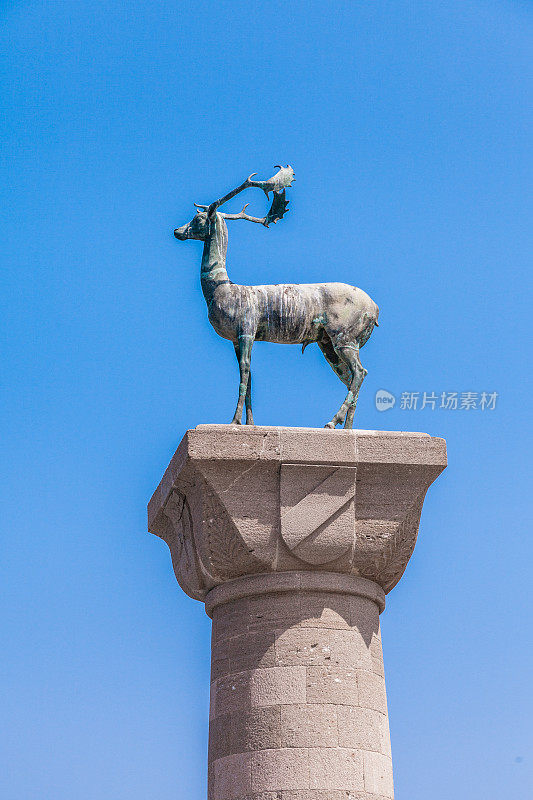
(337, 316)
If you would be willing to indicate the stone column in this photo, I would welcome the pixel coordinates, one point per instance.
(292, 537)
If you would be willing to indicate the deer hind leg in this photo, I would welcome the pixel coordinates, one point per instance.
(338, 365)
(349, 353)
(243, 351)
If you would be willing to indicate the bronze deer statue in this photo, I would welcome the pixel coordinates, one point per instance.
(337, 316)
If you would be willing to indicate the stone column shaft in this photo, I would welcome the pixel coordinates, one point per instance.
(298, 703)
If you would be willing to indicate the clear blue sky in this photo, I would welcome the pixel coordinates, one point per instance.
(409, 127)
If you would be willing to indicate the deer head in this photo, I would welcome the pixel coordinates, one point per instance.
(198, 228)
(200, 225)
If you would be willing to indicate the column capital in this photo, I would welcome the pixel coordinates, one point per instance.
(238, 501)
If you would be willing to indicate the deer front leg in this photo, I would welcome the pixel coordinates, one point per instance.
(248, 401)
(243, 351)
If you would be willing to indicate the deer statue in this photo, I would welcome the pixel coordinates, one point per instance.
(338, 317)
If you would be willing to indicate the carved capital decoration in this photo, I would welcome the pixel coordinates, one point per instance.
(237, 501)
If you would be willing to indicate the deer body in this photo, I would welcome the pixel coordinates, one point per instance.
(337, 316)
(284, 313)
(289, 313)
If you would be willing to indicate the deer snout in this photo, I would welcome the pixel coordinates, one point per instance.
(181, 233)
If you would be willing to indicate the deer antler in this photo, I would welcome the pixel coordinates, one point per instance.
(277, 210)
(242, 215)
(277, 184)
(244, 185)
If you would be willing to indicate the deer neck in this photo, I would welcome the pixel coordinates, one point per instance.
(213, 270)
